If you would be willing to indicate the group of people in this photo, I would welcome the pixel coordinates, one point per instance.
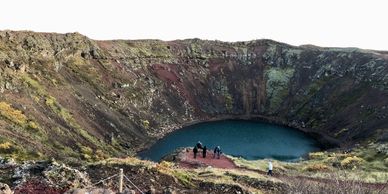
(217, 153)
(217, 150)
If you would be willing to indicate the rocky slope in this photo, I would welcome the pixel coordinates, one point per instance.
(65, 94)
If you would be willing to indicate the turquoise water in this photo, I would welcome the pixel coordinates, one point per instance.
(248, 139)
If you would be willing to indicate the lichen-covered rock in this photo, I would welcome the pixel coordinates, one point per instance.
(50, 174)
(4, 189)
(7, 162)
(65, 177)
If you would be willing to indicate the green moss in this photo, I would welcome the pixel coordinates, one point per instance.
(63, 113)
(14, 115)
(145, 48)
(77, 61)
(184, 177)
(86, 152)
(52, 103)
(38, 88)
(6, 147)
(9, 149)
(59, 110)
(229, 102)
(317, 155)
(18, 118)
(277, 85)
(145, 124)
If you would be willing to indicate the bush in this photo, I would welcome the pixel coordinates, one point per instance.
(32, 125)
(351, 162)
(316, 155)
(86, 152)
(5, 147)
(316, 167)
(145, 124)
(15, 116)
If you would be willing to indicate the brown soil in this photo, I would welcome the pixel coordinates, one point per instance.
(38, 187)
(187, 160)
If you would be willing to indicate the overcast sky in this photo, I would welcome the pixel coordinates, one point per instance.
(342, 23)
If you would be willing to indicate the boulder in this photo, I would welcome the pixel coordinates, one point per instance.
(169, 190)
(4, 189)
(7, 162)
(65, 176)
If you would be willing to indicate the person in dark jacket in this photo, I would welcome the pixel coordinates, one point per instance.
(199, 145)
(195, 150)
(217, 151)
(204, 150)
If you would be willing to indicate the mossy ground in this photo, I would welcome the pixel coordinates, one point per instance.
(217, 180)
(364, 164)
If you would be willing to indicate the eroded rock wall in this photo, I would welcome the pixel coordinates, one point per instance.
(66, 95)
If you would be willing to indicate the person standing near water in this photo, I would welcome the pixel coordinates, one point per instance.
(269, 168)
(204, 150)
(199, 145)
(195, 150)
(217, 151)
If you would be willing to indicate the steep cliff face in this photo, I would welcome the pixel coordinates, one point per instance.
(64, 94)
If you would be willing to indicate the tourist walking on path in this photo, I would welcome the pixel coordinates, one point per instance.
(195, 150)
(204, 150)
(217, 151)
(270, 168)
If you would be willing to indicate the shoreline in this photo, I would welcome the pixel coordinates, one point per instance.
(325, 142)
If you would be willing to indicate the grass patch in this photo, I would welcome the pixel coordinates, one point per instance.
(38, 88)
(260, 164)
(63, 113)
(14, 115)
(351, 162)
(317, 155)
(11, 150)
(316, 167)
(183, 176)
(17, 117)
(229, 102)
(6, 147)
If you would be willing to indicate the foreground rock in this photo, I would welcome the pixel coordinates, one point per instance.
(4, 189)
(43, 176)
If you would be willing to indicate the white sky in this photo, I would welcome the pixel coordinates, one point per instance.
(344, 23)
